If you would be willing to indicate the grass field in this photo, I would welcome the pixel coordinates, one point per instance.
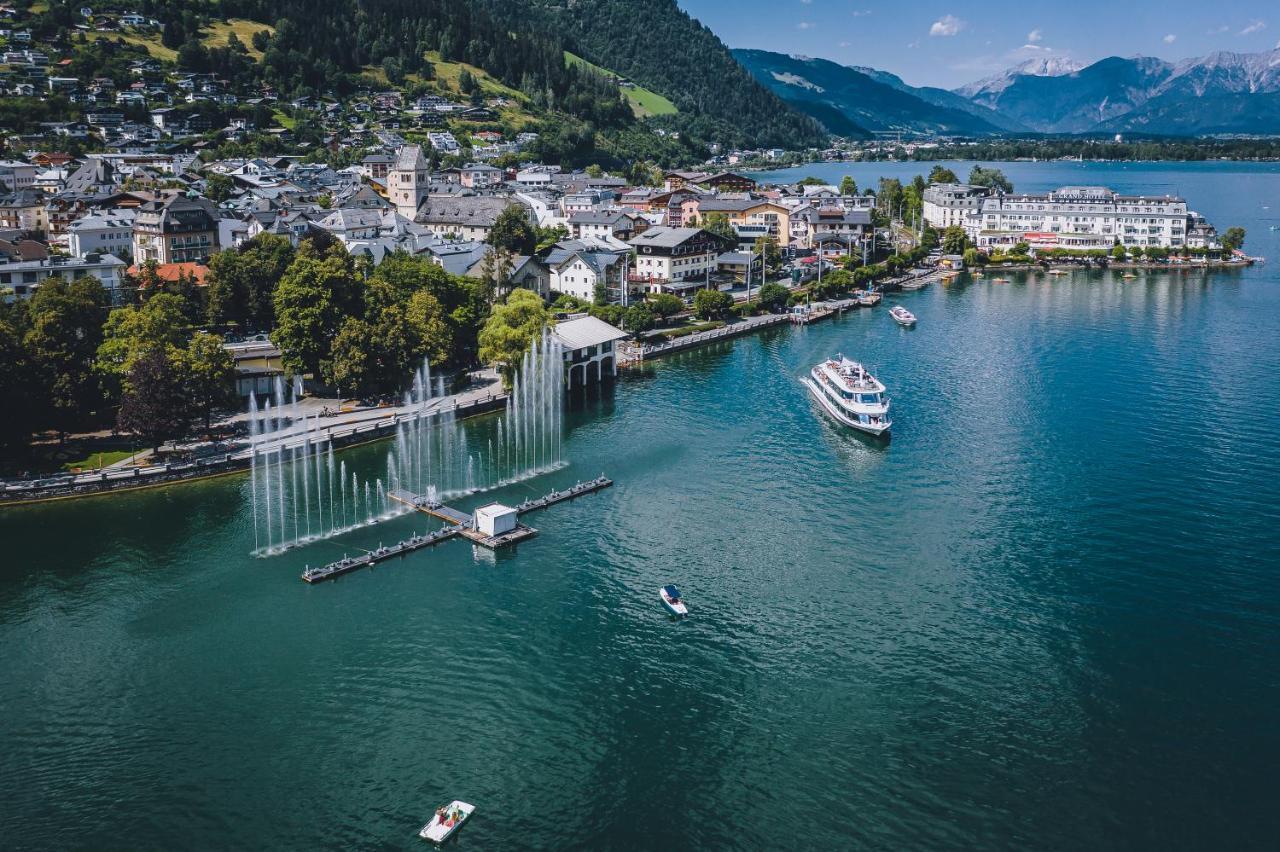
(643, 101)
(217, 35)
(97, 460)
(149, 43)
(447, 73)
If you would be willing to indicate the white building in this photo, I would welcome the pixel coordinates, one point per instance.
(17, 175)
(676, 259)
(25, 277)
(589, 355)
(1081, 217)
(109, 232)
(409, 180)
(948, 204)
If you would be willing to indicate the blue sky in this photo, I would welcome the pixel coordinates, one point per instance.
(949, 44)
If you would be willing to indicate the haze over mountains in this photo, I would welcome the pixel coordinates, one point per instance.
(1221, 93)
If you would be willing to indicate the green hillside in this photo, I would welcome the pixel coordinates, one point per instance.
(643, 102)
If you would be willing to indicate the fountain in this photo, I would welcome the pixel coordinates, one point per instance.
(294, 475)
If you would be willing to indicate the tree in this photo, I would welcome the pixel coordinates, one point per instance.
(62, 342)
(773, 297)
(972, 258)
(15, 393)
(426, 318)
(711, 304)
(511, 328)
(848, 186)
(218, 187)
(599, 294)
(666, 305)
(351, 363)
(317, 291)
(810, 180)
(954, 240)
(210, 375)
(129, 332)
(1118, 252)
(639, 319)
(156, 406)
(942, 174)
(513, 231)
(718, 223)
(990, 178)
(1020, 248)
(547, 237)
(241, 283)
(1233, 239)
(769, 247)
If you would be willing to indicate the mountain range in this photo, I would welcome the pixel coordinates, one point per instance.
(1221, 93)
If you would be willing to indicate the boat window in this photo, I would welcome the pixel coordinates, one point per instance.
(869, 398)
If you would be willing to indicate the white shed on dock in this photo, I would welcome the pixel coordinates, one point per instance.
(495, 519)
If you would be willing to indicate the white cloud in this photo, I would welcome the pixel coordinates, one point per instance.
(846, 44)
(914, 44)
(947, 25)
(1219, 30)
(804, 25)
(1034, 35)
(1254, 26)
(860, 13)
(1170, 38)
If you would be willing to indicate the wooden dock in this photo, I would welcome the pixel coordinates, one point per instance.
(459, 524)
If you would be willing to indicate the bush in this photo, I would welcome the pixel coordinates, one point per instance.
(711, 304)
(773, 297)
(666, 305)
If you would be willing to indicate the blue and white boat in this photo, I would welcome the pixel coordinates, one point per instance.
(671, 598)
(850, 394)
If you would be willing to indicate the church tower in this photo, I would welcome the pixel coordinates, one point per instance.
(408, 180)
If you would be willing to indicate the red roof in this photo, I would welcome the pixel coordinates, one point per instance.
(174, 271)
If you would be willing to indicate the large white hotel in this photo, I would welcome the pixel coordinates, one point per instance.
(1078, 217)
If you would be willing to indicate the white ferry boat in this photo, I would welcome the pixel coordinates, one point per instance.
(850, 394)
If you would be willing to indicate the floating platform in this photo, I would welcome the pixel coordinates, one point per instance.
(459, 524)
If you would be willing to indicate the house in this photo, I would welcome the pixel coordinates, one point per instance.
(376, 166)
(579, 271)
(606, 223)
(480, 176)
(750, 217)
(466, 217)
(24, 211)
(832, 230)
(589, 350)
(948, 204)
(16, 175)
(676, 260)
(175, 229)
(727, 182)
(109, 232)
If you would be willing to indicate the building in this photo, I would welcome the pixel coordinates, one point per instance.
(464, 217)
(948, 204)
(376, 166)
(832, 231)
(578, 272)
(109, 232)
(175, 229)
(676, 260)
(605, 223)
(589, 354)
(25, 277)
(1081, 217)
(409, 180)
(16, 175)
(24, 210)
(750, 217)
(480, 176)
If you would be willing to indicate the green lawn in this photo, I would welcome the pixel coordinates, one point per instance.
(643, 101)
(97, 460)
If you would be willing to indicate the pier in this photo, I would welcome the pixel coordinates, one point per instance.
(457, 524)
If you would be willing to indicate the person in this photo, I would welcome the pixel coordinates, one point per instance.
(441, 814)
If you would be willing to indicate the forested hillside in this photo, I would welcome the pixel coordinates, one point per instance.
(660, 47)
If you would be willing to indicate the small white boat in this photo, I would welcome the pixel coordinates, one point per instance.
(902, 315)
(869, 299)
(671, 598)
(917, 284)
(446, 821)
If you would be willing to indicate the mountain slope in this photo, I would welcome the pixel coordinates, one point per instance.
(818, 85)
(981, 90)
(943, 98)
(657, 45)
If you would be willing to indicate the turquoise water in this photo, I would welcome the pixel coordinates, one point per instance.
(1044, 615)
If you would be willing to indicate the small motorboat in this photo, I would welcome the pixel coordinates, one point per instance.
(902, 316)
(869, 299)
(671, 598)
(999, 280)
(1128, 276)
(446, 821)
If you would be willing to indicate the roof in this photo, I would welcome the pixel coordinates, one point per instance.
(586, 331)
(664, 236)
(176, 271)
(411, 159)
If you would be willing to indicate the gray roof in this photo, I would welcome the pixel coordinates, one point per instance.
(473, 211)
(664, 237)
(586, 331)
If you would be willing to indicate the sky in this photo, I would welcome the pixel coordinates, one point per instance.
(948, 44)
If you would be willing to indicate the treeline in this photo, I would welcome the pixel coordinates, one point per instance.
(656, 44)
(157, 368)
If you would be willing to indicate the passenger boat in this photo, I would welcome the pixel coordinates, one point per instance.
(671, 598)
(446, 821)
(902, 315)
(850, 394)
(869, 299)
